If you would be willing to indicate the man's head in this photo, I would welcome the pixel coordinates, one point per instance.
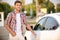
(18, 5)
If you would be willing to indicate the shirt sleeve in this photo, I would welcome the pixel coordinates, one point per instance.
(8, 19)
(25, 19)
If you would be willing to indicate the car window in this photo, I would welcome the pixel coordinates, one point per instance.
(47, 23)
(39, 25)
(51, 24)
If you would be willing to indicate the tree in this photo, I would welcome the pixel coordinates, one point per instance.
(6, 8)
(50, 7)
(58, 8)
(41, 1)
(47, 4)
(33, 7)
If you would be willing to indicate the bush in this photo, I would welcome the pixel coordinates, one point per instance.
(6, 8)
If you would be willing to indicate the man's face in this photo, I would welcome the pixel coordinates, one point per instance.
(17, 6)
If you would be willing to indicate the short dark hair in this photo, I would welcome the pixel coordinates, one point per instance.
(18, 2)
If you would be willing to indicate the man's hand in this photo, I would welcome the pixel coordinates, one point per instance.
(35, 35)
(28, 26)
(10, 30)
(13, 33)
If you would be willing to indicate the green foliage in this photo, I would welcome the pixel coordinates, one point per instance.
(50, 7)
(47, 4)
(58, 8)
(6, 8)
(34, 10)
(33, 7)
(1, 9)
(27, 8)
(41, 1)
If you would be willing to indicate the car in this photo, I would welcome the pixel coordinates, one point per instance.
(47, 28)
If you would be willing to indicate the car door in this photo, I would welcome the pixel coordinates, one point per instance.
(40, 27)
(29, 35)
(45, 29)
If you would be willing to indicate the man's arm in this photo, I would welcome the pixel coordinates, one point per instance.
(28, 26)
(7, 23)
(10, 30)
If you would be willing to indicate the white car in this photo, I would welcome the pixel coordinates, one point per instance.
(47, 28)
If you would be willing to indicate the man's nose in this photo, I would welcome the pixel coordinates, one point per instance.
(18, 6)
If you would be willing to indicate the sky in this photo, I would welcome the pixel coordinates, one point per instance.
(55, 1)
(28, 2)
(11, 2)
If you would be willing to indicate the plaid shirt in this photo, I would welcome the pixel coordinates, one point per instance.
(11, 20)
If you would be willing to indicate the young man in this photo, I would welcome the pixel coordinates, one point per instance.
(14, 21)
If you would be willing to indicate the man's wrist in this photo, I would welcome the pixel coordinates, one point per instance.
(13, 33)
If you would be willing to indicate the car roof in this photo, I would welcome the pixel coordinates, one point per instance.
(55, 16)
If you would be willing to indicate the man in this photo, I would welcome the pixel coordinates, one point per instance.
(14, 21)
